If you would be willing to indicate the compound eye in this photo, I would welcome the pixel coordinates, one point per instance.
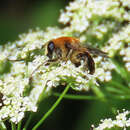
(51, 46)
(50, 49)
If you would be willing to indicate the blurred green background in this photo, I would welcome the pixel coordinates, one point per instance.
(17, 17)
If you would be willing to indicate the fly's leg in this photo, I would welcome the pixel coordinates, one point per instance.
(44, 63)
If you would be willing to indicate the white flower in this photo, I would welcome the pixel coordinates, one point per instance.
(28, 79)
(121, 121)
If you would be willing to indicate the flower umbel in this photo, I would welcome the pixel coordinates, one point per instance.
(121, 121)
(107, 28)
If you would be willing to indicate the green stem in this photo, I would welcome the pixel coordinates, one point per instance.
(114, 90)
(2, 126)
(122, 97)
(77, 97)
(13, 126)
(31, 115)
(28, 121)
(121, 70)
(19, 125)
(98, 92)
(52, 108)
(120, 86)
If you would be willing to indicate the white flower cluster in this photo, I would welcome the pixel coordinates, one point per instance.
(81, 13)
(103, 70)
(122, 121)
(125, 52)
(14, 101)
(24, 59)
(120, 42)
(16, 82)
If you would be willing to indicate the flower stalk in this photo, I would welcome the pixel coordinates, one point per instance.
(53, 107)
(106, 27)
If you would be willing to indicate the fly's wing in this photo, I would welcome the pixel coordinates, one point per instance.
(97, 52)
